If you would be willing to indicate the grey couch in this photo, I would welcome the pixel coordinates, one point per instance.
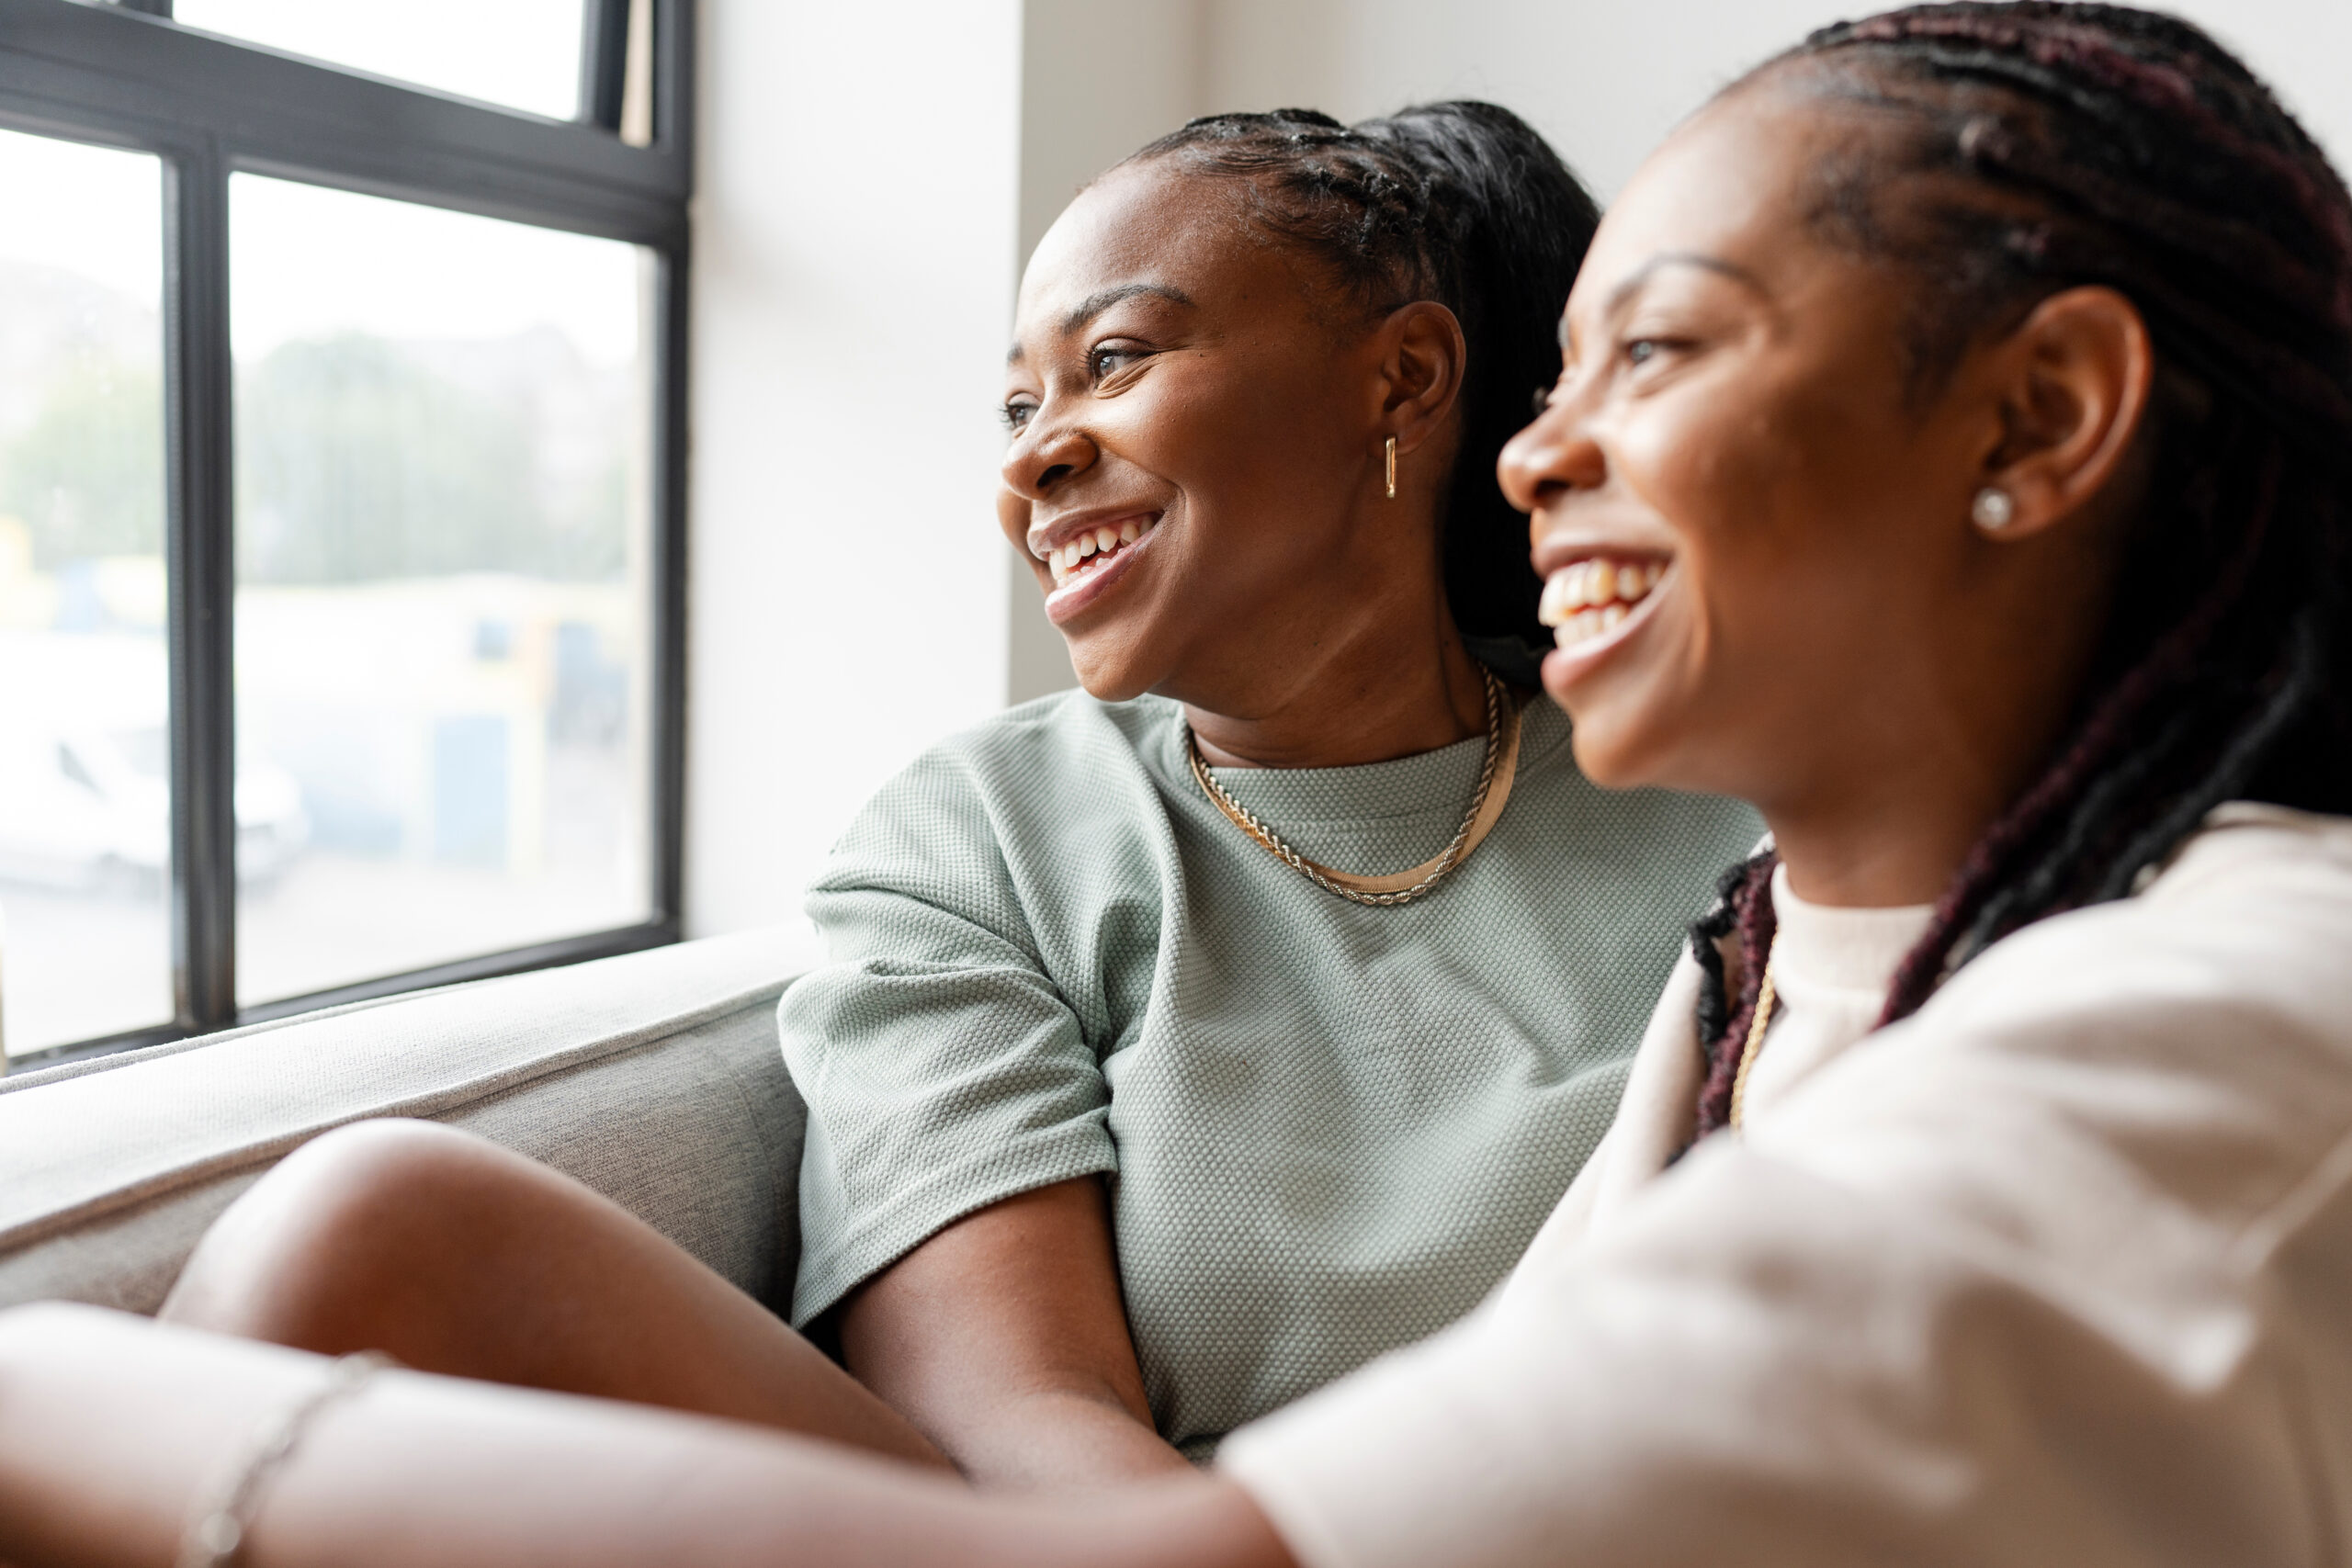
(654, 1079)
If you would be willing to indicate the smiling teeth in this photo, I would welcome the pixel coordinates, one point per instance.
(1590, 597)
(1104, 541)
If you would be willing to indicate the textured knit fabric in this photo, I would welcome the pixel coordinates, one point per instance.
(1332, 1128)
(2056, 1271)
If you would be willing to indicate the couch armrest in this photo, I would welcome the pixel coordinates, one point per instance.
(654, 1078)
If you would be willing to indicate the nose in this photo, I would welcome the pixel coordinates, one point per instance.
(1552, 456)
(1045, 455)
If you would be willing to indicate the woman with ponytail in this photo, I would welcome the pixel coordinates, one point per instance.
(1115, 1140)
(1950, 457)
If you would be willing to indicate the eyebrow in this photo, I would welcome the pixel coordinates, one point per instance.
(1656, 263)
(1103, 299)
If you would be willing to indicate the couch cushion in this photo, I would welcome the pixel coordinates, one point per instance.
(654, 1078)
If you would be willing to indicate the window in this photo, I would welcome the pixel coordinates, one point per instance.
(341, 501)
(521, 53)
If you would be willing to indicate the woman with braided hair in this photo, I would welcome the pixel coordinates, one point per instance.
(1980, 377)
(1949, 456)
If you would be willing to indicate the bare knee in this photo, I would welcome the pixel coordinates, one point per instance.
(343, 1231)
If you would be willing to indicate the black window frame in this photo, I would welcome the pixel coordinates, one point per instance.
(126, 76)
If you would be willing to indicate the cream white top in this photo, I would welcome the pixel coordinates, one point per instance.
(2058, 1270)
(1830, 968)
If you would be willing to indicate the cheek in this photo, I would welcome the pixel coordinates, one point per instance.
(1012, 517)
(1277, 422)
(1240, 457)
(1730, 483)
(1197, 426)
(1772, 494)
(1763, 498)
(1262, 460)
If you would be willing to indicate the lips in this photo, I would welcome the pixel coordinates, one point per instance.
(1088, 557)
(1090, 549)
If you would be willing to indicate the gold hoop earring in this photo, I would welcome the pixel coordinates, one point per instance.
(1391, 468)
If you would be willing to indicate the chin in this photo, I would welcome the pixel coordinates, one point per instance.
(1616, 750)
(1610, 766)
(1691, 757)
(1108, 675)
(1634, 726)
(1107, 690)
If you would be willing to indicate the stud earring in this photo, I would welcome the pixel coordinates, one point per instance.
(1391, 468)
(1993, 509)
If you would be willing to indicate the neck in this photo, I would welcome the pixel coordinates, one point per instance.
(1931, 742)
(1857, 867)
(1377, 698)
(1894, 830)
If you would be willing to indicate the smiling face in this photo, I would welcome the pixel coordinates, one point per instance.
(1755, 531)
(1195, 465)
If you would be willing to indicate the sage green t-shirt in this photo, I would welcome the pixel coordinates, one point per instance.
(1329, 1129)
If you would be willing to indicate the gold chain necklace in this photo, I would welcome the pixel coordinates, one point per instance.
(1494, 776)
(1756, 1027)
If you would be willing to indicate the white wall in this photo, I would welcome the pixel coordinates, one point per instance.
(1606, 79)
(872, 173)
(1099, 78)
(854, 246)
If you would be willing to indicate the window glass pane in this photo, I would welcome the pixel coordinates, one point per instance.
(521, 54)
(85, 803)
(442, 607)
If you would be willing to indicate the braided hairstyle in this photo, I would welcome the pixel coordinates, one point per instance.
(1462, 203)
(2030, 147)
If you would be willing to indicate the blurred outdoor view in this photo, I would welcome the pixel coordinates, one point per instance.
(85, 818)
(442, 592)
(521, 54)
(442, 585)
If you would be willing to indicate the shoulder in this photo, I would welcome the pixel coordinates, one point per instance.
(2251, 915)
(2190, 1044)
(2300, 857)
(1064, 745)
(1039, 737)
(1058, 770)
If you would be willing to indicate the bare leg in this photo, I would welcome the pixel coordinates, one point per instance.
(458, 1257)
(109, 1425)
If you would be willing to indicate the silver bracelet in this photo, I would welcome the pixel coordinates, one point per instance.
(224, 1511)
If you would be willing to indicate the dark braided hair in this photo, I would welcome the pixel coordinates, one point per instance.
(2031, 147)
(1462, 203)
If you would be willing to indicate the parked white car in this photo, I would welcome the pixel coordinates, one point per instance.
(90, 809)
(84, 792)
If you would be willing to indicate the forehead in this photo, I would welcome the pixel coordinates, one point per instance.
(1149, 224)
(1734, 184)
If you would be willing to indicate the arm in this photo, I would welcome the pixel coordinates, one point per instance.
(109, 1425)
(955, 1234)
(1005, 1339)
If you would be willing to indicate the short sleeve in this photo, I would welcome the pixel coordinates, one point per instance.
(941, 1067)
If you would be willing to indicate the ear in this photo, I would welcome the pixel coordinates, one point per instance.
(2073, 382)
(1423, 354)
